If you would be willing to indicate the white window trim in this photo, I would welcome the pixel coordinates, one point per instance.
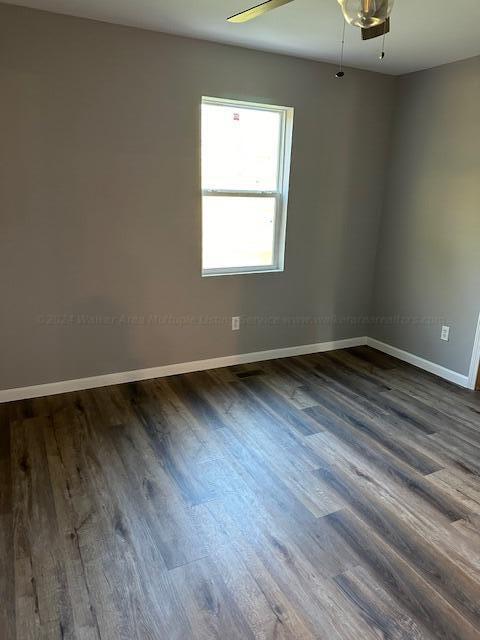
(281, 194)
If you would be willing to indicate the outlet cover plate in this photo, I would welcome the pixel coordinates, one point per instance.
(445, 335)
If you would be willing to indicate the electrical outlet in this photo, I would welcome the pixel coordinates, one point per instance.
(236, 323)
(445, 335)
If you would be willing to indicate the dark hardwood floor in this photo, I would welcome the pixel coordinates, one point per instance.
(333, 496)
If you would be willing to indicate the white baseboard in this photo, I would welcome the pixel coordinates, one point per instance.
(54, 388)
(431, 367)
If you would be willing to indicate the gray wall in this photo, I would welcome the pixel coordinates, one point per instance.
(100, 206)
(429, 247)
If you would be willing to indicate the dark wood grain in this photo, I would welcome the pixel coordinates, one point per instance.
(331, 496)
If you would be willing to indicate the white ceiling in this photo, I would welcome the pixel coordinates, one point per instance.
(425, 33)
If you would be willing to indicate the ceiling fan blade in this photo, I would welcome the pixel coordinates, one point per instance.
(376, 32)
(257, 11)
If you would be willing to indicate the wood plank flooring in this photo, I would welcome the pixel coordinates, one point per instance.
(329, 497)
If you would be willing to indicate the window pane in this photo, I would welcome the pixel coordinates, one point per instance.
(240, 148)
(237, 232)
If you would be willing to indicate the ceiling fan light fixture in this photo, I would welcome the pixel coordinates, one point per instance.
(366, 13)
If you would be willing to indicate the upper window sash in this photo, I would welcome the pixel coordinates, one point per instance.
(264, 136)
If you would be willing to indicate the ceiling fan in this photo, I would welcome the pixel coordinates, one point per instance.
(372, 16)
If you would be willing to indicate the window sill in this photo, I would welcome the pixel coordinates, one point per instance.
(215, 274)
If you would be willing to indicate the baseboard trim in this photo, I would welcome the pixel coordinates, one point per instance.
(417, 361)
(55, 388)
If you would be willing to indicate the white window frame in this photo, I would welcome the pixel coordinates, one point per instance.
(280, 194)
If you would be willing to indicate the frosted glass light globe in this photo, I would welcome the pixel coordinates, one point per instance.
(366, 13)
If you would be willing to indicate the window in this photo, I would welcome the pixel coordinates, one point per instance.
(245, 173)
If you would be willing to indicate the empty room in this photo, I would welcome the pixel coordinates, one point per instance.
(239, 320)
